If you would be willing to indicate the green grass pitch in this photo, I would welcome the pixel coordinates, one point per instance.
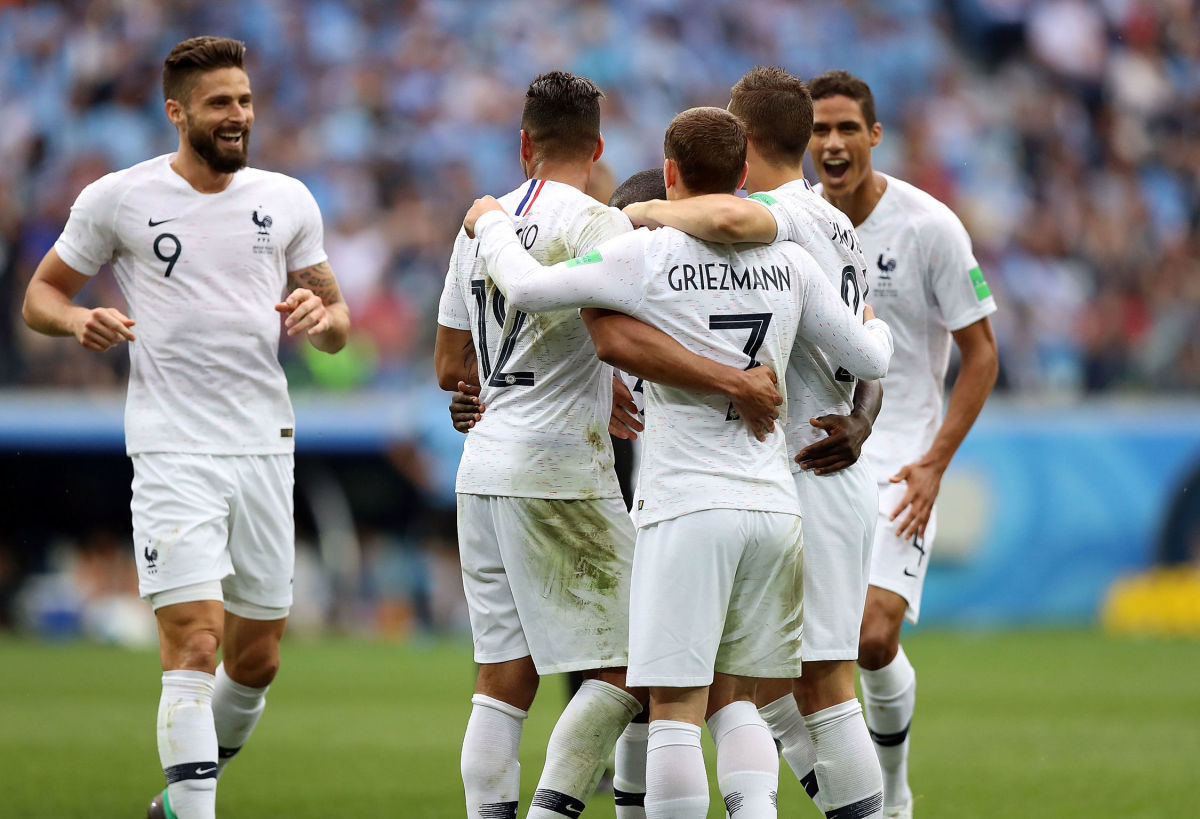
(1012, 724)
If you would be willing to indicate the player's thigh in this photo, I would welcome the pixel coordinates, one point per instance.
(262, 537)
(899, 564)
(495, 624)
(180, 510)
(764, 622)
(683, 573)
(569, 564)
(840, 512)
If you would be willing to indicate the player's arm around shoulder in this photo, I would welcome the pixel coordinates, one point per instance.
(314, 306)
(49, 308)
(714, 217)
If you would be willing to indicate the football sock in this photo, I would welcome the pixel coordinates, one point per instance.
(629, 776)
(491, 772)
(676, 782)
(786, 722)
(890, 696)
(579, 747)
(236, 709)
(848, 772)
(747, 762)
(187, 743)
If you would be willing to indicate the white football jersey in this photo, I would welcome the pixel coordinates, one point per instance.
(735, 304)
(548, 398)
(926, 283)
(817, 384)
(201, 273)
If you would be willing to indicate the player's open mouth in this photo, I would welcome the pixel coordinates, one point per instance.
(231, 138)
(836, 169)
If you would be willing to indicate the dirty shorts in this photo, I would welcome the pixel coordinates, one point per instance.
(547, 578)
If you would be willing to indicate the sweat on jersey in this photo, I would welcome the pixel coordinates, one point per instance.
(548, 397)
(737, 305)
(926, 283)
(817, 383)
(201, 274)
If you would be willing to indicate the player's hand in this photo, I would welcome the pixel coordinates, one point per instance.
(481, 206)
(623, 422)
(639, 214)
(924, 480)
(756, 400)
(104, 327)
(840, 448)
(868, 313)
(305, 313)
(465, 408)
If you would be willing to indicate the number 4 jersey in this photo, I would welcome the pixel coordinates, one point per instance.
(201, 274)
(544, 432)
(738, 305)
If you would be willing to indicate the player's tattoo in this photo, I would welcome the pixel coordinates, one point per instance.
(319, 279)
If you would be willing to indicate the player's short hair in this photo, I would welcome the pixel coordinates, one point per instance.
(777, 111)
(709, 146)
(641, 187)
(562, 114)
(194, 57)
(839, 83)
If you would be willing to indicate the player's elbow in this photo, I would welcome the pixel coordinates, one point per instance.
(609, 347)
(729, 223)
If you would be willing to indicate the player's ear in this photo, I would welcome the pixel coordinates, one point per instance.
(876, 133)
(599, 148)
(174, 112)
(742, 179)
(526, 147)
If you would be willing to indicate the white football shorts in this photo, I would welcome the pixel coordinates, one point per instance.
(839, 529)
(215, 527)
(899, 564)
(716, 590)
(547, 578)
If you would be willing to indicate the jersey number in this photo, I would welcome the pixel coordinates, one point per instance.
(757, 324)
(852, 297)
(496, 377)
(163, 239)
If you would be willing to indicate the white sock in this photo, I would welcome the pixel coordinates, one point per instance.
(890, 697)
(236, 709)
(579, 747)
(629, 776)
(676, 782)
(786, 722)
(747, 762)
(491, 772)
(848, 772)
(187, 743)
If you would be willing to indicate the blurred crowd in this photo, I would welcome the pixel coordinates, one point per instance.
(1065, 133)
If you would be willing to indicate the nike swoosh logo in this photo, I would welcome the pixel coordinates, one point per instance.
(910, 574)
(203, 771)
(152, 223)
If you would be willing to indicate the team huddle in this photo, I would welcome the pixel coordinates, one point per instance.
(763, 559)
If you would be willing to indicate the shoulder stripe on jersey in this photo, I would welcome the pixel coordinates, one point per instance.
(521, 209)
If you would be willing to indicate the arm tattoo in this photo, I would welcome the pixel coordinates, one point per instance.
(319, 279)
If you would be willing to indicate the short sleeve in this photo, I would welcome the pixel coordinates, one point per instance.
(307, 246)
(88, 240)
(452, 308)
(956, 282)
(596, 226)
(783, 223)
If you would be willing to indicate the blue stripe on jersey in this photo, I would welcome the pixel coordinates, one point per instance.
(528, 193)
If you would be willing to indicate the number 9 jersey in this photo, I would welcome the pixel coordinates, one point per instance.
(545, 430)
(201, 274)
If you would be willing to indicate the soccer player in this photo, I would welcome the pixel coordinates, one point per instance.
(545, 540)
(926, 282)
(821, 728)
(715, 586)
(203, 248)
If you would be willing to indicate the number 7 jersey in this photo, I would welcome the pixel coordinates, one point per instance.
(544, 433)
(201, 274)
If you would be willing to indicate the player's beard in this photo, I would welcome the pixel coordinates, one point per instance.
(220, 158)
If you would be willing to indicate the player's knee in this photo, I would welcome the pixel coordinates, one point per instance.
(255, 670)
(877, 645)
(194, 651)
